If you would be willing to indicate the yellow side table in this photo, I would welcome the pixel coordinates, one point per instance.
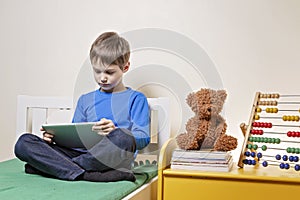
(240, 183)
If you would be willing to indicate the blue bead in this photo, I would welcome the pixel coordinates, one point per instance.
(291, 158)
(286, 166)
(259, 155)
(247, 153)
(297, 167)
(253, 162)
(249, 162)
(296, 158)
(285, 157)
(281, 165)
(245, 161)
(278, 157)
(253, 154)
(265, 164)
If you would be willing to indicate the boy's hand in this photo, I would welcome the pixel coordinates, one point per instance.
(104, 126)
(47, 136)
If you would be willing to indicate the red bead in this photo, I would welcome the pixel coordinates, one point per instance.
(269, 125)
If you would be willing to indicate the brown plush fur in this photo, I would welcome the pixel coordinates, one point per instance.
(206, 130)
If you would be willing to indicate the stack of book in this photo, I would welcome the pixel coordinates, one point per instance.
(201, 160)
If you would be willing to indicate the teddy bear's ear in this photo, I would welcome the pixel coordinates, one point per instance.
(221, 94)
(190, 99)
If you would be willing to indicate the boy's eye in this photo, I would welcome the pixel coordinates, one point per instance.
(109, 72)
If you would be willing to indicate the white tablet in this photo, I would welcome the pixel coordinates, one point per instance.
(73, 135)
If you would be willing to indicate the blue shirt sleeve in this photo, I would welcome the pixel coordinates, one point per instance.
(79, 114)
(140, 121)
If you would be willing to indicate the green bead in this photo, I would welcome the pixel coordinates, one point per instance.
(297, 150)
(273, 140)
(255, 146)
(269, 140)
(293, 150)
(249, 146)
(277, 140)
(289, 150)
(250, 139)
(264, 147)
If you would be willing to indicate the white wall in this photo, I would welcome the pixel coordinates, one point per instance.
(254, 44)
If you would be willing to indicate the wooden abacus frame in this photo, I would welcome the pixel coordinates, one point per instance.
(247, 128)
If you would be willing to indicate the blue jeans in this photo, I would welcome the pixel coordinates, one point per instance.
(114, 151)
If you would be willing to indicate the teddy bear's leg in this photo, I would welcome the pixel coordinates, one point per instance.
(187, 141)
(226, 143)
(216, 128)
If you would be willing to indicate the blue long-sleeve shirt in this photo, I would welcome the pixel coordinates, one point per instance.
(127, 109)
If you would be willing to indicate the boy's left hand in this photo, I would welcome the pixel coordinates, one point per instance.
(104, 126)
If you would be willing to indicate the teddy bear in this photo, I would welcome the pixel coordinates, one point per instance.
(206, 129)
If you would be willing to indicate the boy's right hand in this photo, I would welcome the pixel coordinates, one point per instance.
(47, 136)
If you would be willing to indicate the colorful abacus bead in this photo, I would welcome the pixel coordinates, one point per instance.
(273, 95)
(286, 166)
(297, 167)
(258, 109)
(296, 158)
(257, 132)
(264, 147)
(278, 157)
(271, 110)
(281, 165)
(293, 134)
(253, 154)
(259, 155)
(265, 163)
(293, 150)
(247, 153)
(268, 103)
(290, 118)
(285, 157)
(249, 162)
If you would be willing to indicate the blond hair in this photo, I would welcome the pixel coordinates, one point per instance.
(109, 48)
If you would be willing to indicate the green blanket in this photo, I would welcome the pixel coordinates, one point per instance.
(16, 185)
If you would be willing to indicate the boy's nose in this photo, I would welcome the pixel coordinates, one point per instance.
(103, 80)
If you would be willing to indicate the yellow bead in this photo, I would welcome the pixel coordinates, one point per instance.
(284, 118)
(256, 117)
(258, 109)
(267, 110)
(275, 110)
(292, 118)
(297, 118)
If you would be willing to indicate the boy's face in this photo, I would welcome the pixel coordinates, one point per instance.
(110, 78)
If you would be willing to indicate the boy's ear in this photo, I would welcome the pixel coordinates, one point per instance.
(126, 67)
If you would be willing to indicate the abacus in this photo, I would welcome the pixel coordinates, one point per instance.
(272, 136)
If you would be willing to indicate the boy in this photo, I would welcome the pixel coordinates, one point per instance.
(121, 115)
